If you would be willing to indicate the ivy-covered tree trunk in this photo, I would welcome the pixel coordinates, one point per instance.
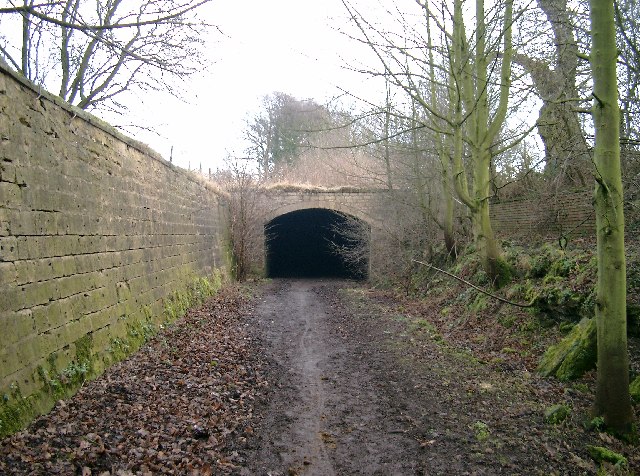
(612, 391)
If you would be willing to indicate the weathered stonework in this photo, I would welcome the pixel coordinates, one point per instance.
(363, 204)
(371, 206)
(96, 233)
(570, 214)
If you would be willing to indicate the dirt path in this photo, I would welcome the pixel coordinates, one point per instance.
(311, 378)
(326, 415)
(358, 386)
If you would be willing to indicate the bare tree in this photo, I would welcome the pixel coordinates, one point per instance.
(285, 129)
(554, 73)
(93, 51)
(477, 80)
(627, 16)
(246, 234)
(354, 244)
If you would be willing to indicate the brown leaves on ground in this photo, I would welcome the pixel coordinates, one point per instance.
(483, 373)
(459, 386)
(172, 408)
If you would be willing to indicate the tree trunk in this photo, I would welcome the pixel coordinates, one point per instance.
(612, 390)
(449, 208)
(444, 149)
(26, 43)
(567, 153)
(387, 152)
(482, 131)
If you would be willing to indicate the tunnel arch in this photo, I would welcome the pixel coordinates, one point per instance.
(317, 242)
(309, 204)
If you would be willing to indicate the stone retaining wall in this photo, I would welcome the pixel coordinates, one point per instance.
(97, 232)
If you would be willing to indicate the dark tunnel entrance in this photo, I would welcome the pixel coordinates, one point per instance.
(317, 243)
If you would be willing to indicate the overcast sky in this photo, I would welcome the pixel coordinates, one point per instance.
(291, 46)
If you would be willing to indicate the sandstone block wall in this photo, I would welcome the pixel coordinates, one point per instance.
(361, 204)
(374, 207)
(96, 231)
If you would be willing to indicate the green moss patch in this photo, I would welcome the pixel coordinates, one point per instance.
(201, 288)
(570, 358)
(634, 390)
(58, 383)
(481, 431)
(175, 306)
(503, 272)
(601, 454)
(556, 414)
(15, 411)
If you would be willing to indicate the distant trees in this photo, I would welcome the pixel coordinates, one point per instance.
(627, 17)
(282, 131)
(91, 51)
(462, 86)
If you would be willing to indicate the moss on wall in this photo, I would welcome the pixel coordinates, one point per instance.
(16, 410)
(101, 241)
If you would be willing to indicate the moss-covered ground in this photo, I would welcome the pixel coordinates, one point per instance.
(550, 334)
(555, 290)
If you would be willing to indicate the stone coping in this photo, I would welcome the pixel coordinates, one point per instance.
(106, 127)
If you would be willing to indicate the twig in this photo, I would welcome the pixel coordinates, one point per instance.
(506, 301)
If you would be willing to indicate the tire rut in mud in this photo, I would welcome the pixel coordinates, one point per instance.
(326, 415)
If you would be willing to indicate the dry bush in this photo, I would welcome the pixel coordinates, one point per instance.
(246, 210)
(332, 168)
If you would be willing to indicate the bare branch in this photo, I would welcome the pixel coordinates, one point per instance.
(33, 10)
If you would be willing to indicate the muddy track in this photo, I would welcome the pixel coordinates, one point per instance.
(358, 387)
(326, 415)
(310, 377)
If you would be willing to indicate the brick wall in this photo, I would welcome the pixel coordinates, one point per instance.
(569, 213)
(96, 232)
